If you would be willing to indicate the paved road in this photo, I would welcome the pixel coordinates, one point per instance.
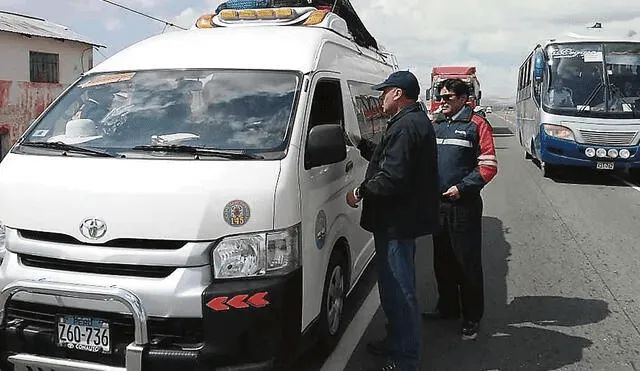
(562, 278)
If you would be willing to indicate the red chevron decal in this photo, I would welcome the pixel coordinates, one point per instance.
(238, 301)
(218, 304)
(258, 300)
(242, 301)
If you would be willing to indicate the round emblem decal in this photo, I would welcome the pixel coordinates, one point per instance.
(237, 213)
(321, 229)
(93, 228)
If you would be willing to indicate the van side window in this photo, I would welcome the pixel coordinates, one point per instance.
(327, 104)
(368, 106)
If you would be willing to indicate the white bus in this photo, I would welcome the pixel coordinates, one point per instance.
(578, 103)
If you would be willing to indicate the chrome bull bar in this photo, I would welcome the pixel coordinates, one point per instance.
(134, 351)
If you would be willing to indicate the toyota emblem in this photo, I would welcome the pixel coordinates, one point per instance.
(93, 228)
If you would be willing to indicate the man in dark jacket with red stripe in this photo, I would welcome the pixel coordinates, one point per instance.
(466, 163)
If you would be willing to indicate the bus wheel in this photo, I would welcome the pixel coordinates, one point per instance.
(527, 155)
(333, 300)
(547, 170)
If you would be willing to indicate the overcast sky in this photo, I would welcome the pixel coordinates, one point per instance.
(494, 35)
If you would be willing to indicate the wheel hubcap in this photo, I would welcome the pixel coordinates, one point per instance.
(335, 300)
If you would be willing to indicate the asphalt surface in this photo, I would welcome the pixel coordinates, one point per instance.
(562, 277)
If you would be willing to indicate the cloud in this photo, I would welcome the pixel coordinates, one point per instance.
(186, 18)
(112, 24)
(494, 35)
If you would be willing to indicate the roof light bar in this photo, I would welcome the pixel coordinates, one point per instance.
(205, 21)
(316, 17)
(253, 14)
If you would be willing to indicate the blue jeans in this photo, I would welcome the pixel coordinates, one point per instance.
(397, 287)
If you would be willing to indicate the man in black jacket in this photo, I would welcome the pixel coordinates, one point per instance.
(401, 200)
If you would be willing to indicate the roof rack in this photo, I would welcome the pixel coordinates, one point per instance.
(337, 15)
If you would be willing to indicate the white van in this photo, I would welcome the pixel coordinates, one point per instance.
(182, 205)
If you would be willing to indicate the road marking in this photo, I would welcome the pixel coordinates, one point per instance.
(627, 183)
(340, 357)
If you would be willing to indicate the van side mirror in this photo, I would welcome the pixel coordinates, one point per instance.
(326, 145)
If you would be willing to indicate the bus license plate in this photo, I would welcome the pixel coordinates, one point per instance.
(604, 165)
(84, 333)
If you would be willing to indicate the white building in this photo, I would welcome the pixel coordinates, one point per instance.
(38, 60)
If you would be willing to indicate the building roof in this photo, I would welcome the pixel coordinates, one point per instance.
(32, 26)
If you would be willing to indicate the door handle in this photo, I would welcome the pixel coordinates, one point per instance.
(348, 166)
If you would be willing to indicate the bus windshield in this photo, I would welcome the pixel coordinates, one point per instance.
(577, 81)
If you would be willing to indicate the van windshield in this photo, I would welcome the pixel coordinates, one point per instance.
(248, 111)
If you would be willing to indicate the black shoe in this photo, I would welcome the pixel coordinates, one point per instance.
(377, 348)
(470, 330)
(437, 315)
(388, 366)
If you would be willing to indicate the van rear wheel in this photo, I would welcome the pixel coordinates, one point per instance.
(333, 301)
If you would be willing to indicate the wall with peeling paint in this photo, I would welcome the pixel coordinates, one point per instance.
(22, 101)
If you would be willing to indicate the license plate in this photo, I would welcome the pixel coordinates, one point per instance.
(604, 165)
(84, 333)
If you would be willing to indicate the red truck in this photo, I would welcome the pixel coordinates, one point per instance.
(465, 73)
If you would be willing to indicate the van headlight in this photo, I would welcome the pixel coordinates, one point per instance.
(255, 255)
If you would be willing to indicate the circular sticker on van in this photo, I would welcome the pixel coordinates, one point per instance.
(321, 229)
(237, 213)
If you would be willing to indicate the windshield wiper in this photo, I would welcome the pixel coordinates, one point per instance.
(199, 151)
(591, 96)
(68, 148)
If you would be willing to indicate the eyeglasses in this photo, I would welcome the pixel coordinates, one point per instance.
(445, 97)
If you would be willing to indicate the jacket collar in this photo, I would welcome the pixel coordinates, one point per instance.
(410, 108)
(463, 115)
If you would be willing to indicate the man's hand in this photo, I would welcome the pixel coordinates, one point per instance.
(453, 193)
(354, 137)
(352, 200)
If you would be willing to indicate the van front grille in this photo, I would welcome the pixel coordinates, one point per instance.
(133, 243)
(96, 268)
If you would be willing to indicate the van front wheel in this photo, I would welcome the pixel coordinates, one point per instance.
(333, 300)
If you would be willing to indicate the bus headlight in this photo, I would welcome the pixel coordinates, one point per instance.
(255, 255)
(558, 131)
(624, 153)
(590, 152)
(613, 153)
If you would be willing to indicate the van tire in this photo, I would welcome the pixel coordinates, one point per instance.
(334, 297)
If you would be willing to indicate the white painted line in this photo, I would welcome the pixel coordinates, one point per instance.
(627, 183)
(351, 337)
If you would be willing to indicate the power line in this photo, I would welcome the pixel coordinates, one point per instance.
(144, 15)
(98, 50)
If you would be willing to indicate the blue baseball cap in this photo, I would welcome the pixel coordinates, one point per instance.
(404, 80)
